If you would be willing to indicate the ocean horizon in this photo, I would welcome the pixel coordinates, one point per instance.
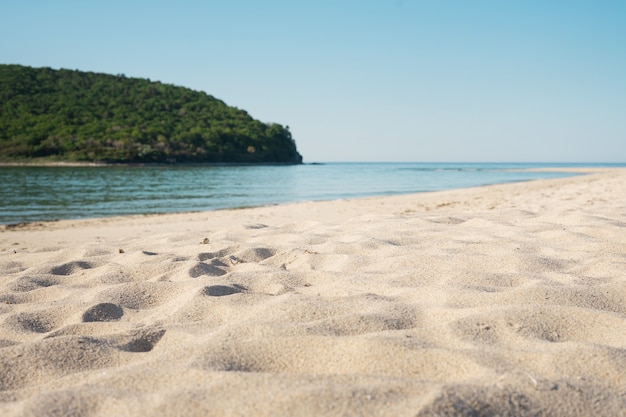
(48, 193)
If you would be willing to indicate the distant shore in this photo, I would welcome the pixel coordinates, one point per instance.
(130, 164)
(51, 164)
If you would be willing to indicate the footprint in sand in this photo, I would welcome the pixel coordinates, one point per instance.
(143, 340)
(42, 321)
(202, 268)
(29, 283)
(103, 312)
(222, 290)
(72, 267)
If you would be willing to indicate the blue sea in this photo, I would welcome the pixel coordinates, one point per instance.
(30, 194)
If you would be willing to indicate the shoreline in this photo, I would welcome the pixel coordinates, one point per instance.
(548, 165)
(509, 298)
(52, 164)
(28, 225)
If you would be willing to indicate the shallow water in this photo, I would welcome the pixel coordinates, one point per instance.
(49, 193)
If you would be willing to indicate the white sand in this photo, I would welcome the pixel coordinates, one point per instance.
(507, 300)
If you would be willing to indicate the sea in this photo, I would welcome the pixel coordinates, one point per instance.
(31, 194)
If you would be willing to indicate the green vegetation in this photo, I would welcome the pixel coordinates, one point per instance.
(63, 115)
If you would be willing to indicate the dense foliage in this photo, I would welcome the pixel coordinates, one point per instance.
(84, 116)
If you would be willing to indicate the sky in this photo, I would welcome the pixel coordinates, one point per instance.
(367, 80)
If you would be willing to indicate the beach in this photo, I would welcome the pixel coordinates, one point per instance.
(502, 300)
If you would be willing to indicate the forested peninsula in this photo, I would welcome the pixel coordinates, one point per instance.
(75, 116)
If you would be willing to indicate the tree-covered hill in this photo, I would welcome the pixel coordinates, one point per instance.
(66, 115)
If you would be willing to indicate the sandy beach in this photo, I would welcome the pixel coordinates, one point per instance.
(504, 300)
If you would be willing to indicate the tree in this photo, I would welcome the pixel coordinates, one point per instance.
(75, 115)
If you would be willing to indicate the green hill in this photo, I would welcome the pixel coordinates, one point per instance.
(64, 115)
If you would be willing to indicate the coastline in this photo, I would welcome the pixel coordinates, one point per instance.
(99, 192)
(507, 298)
(140, 218)
(138, 164)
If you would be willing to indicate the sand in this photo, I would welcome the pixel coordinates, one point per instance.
(506, 300)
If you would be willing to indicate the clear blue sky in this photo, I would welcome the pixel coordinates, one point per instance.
(367, 80)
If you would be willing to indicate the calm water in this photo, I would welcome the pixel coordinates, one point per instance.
(49, 193)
